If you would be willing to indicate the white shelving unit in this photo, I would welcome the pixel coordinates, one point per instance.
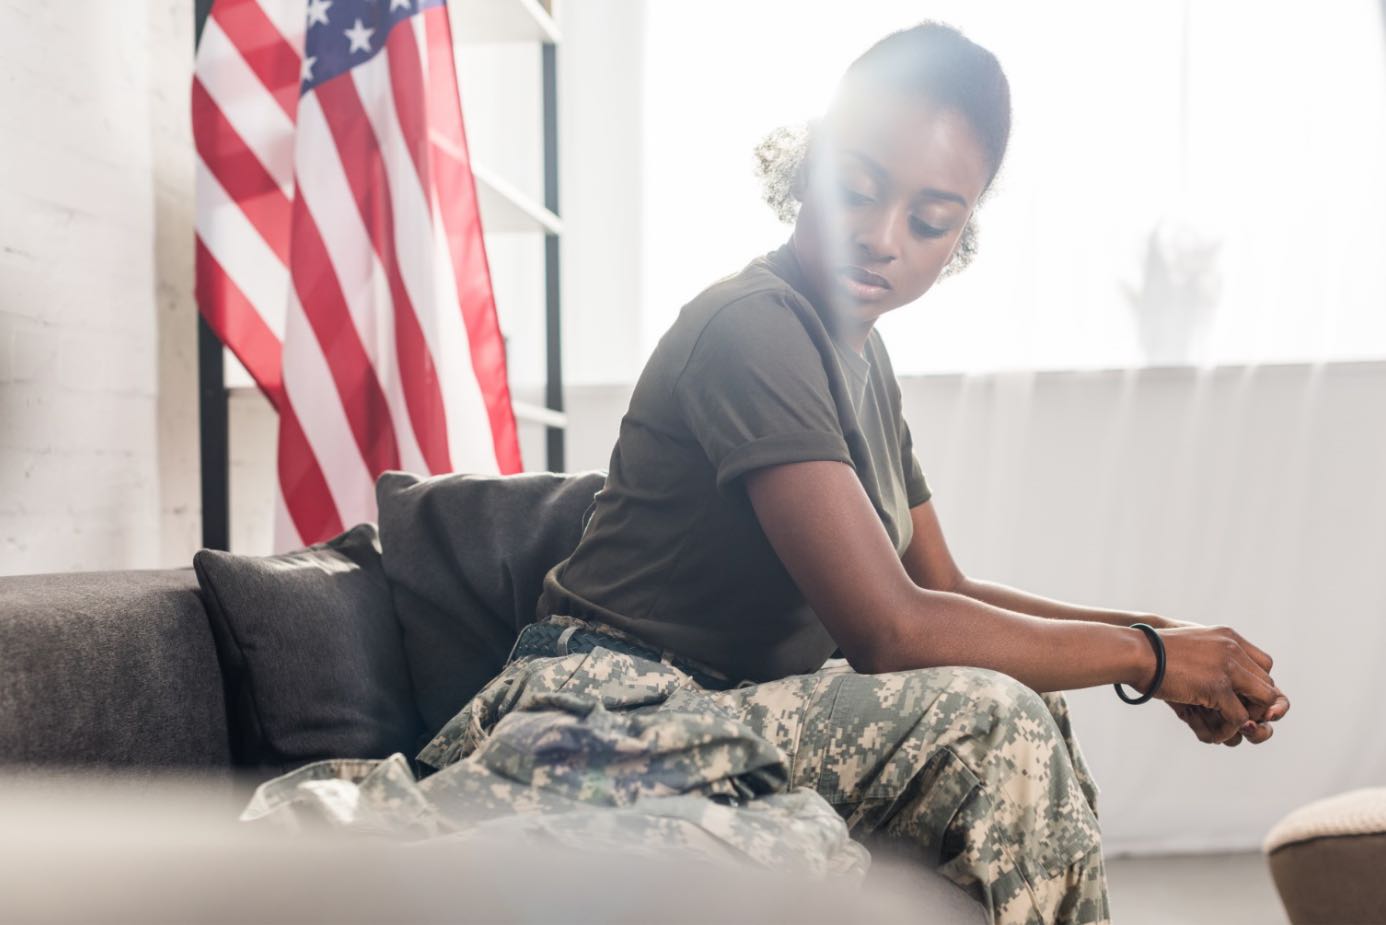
(504, 207)
(491, 21)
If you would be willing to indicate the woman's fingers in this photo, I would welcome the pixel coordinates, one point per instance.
(1278, 708)
(1261, 657)
(1196, 719)
(1232, 713)
(1191, 719)
(1253, 686)
(1272, 711)
(1211, 728)
(1264, 701)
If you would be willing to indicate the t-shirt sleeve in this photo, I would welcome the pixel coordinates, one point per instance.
(755, 393)
(916, 486)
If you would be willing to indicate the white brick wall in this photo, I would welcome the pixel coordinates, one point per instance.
(97, 398)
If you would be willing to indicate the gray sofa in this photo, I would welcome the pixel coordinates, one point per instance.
(118, 672)
(114, 670)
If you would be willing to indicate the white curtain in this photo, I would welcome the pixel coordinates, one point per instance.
(1248, 496)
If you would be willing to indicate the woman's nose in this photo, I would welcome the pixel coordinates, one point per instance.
(878, 240)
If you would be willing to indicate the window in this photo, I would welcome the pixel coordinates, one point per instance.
(1186, 183)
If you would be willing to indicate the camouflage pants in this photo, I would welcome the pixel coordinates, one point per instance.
(968, 769)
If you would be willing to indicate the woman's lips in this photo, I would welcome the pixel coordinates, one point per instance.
(863, 282)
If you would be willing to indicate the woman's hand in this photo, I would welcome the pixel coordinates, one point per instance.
(1206, 723)
(1218, 683)
(1209, 726)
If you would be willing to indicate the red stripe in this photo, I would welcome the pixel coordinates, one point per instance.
(239, 326)
(320, 294)
(456, 188)
(370, 186)
(240, 172)
(406, 84)
(301, 482)
(265, 50)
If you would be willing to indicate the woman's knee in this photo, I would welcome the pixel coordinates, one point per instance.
(1000, 704)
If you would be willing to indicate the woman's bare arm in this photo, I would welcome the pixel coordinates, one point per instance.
(929, 563)
(824, 529)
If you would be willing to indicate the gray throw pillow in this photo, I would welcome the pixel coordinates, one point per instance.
(466, 557)
(311, 652)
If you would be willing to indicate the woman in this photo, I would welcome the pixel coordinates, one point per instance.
(765, 510)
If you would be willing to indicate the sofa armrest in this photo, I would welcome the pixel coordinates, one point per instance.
(113, 669)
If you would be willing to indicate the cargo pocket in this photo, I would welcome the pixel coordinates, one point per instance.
(917, 801)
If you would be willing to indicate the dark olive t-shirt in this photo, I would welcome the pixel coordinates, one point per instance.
(747, 376)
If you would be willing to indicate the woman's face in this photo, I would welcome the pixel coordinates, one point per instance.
(889, 184)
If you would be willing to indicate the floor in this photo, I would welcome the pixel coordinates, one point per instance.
(1193, 889)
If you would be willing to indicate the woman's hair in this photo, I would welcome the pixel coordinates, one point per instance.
(932, 59)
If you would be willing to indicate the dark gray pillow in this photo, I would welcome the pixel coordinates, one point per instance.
(311, 652)
(466, 557)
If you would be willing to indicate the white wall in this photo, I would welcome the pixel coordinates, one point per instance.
(98, 443)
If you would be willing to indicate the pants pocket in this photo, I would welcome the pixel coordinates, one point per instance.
(916, 801)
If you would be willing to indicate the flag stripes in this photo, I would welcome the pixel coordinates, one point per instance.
(339, 248)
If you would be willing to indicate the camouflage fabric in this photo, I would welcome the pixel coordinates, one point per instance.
(966, 769)
(595, 751)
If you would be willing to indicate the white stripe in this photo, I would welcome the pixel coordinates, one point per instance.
(421, 42)
(468, 453)
(242, 253)
(327, 195)
(313, 395)
(286, 536)
(472, 444)
(251, 109)
(290, 18)
(420, 248)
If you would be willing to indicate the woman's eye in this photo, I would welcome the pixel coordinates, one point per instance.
(854, 198)
(925, 230)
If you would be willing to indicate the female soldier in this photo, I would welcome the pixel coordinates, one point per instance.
(764, 509)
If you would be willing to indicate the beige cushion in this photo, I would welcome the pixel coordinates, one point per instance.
(1328, 858)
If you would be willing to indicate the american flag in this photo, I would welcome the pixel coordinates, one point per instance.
(339, 248)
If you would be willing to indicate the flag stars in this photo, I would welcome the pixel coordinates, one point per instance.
(360, 37)
(317, 12)
(399, 5)
(306, 73)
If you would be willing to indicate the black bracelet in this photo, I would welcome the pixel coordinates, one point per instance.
(1159, 645)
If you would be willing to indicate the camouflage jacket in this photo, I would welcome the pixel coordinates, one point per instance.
(597, 750)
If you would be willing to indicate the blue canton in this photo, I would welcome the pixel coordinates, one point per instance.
(344, 33)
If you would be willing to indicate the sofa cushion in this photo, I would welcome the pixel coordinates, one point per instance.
(109, 669)
(312, 653)
(466, 557)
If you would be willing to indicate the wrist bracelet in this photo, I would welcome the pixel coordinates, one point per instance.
(1159, 645)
